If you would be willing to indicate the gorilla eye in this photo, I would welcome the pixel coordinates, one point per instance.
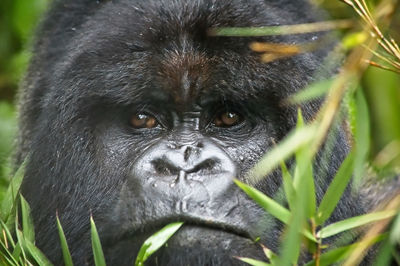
(227, 119)
(143, 121)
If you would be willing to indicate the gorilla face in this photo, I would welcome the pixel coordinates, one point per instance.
(132, 113)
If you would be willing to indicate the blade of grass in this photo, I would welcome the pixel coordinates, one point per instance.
(333, 256)
(36, 254)
(395, 232)
(281, 30)
(98, 254)
(9, 200)
(304, 207)
(253, 262)
(20, 238)
(281, 152)
(354, 222)
(154, 242)
(273, 258)
(5, 253)
(271, 206)
(335, 190)
(64, 245)
(303, 178)
(288, 187)
(21, 244)
(27, 223)
(8, 234)
(313, 91)
(361, 138)
(268, 204)
(384, 254)
(17, 252)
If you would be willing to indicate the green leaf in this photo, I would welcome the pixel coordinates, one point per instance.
(98, 255)
(268, 204)
(295, 139)
(64, 245)
(335, 190)
(362, 137)
(354, 39)
(303, 181)
(384, 254)
(271, 206)
(20, 243)
(288, 187)
(354, 222)
(36, 254)
(5, 253)
(395, 232)
(9, 202)
(253, 261)
(273, 258)
(313, 91)
(27, 223)
(154, 242)
(8, 234)
(335, 255)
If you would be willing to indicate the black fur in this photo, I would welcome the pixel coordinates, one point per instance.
(97, 63)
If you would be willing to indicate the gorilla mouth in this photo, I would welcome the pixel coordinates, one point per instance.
(197, 223)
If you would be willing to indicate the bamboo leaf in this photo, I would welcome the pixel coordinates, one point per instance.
(281, 152)
(288, 186)
(268, 204)
(20, 244)
(333, 256)
(36, 254)
(395, 232)
(362, 137)
(303, 176)
(98, 254)
(384, 255)
(313, 91)
(8, 234)
(27, 223)
(271, 206)
(7, 255)
(281, 30)
(335, 190)
(354, 222)
(9, 200)
(253, 262)
(273, 258)
(64, 245)
(154, 242)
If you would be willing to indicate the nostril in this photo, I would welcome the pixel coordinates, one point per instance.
(165, 167)
(187, 153)
(206, 166)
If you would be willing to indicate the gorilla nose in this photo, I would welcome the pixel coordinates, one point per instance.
(172, 165)
(194, 160)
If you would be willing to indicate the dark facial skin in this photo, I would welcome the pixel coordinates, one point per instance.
(132, 113)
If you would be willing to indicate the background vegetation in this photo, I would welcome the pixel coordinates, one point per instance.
(378, 135)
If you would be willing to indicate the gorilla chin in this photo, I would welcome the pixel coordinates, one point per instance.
(131, 112)
(200, 245)
(191, 245)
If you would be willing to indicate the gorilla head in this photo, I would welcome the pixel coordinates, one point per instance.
(131, 112)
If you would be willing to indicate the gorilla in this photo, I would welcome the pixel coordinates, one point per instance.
(133, 113)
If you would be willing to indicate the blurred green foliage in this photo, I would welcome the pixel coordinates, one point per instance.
(7, 133)
(17, 21)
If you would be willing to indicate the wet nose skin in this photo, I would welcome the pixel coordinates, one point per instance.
(188, 159)
(188, 175)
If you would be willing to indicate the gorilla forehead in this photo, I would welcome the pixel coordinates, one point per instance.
(162, 47)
